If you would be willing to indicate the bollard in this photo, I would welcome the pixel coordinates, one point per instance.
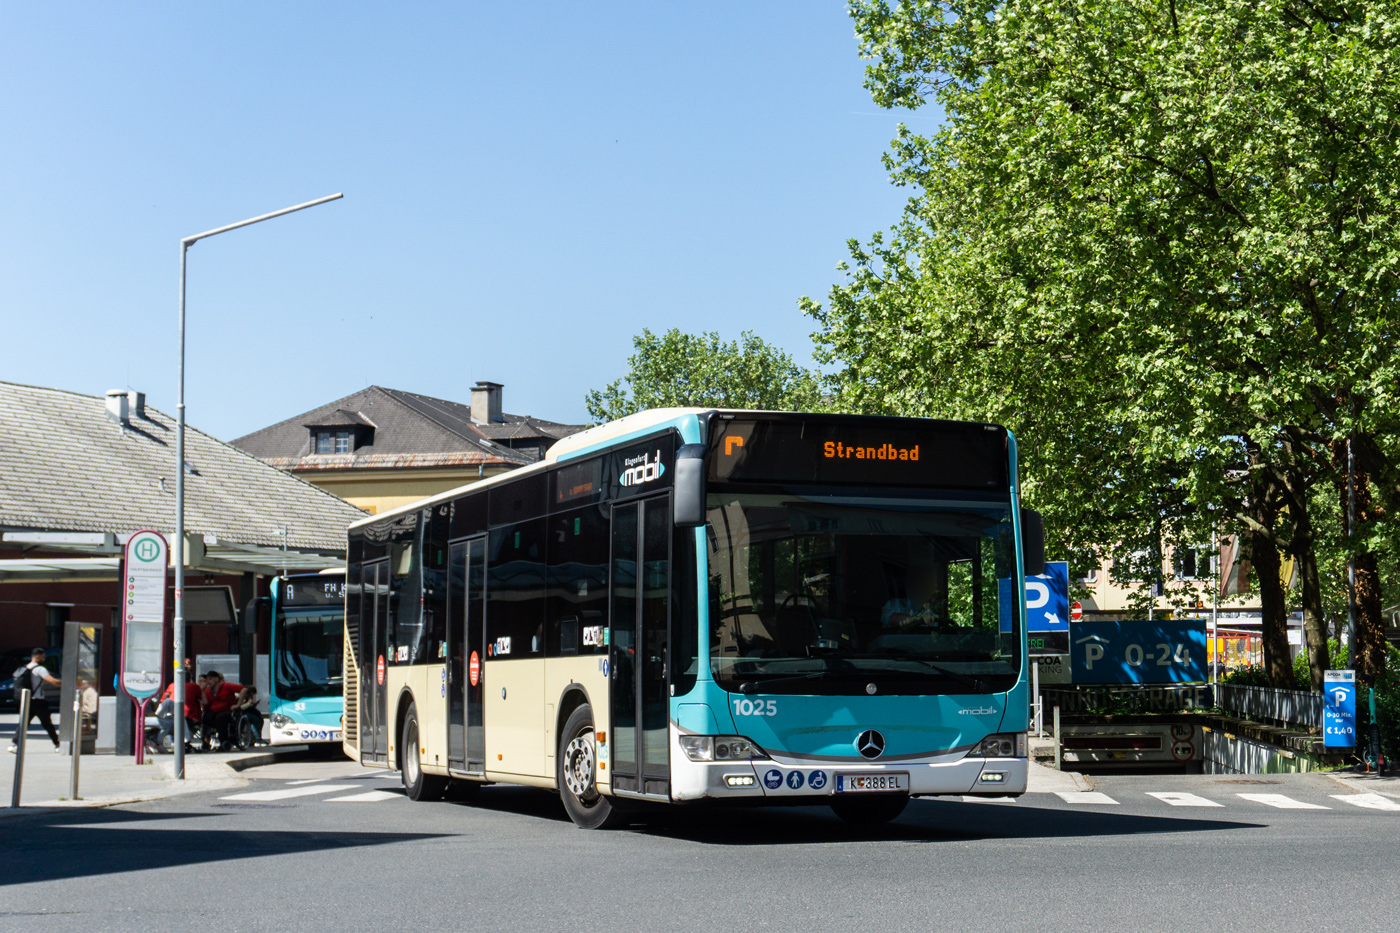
(1057, 739)
(76, 743)
(20, 736)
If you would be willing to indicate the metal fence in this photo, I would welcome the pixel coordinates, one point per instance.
(1287, 706)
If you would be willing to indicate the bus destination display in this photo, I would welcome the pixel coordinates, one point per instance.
(873, 451)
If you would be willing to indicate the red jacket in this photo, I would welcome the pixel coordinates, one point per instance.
(223, 697)
(192, 695)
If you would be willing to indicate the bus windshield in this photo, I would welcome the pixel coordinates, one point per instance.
(309, 653)
(844, 595)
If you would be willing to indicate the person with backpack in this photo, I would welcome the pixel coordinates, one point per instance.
(35, 678)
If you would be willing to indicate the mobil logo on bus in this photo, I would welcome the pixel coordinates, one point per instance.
(643, 468)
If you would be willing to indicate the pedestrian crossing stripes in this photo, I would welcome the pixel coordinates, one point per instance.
(1282, 802)
(372, 796)
(1369, 801)
(1183, 800)
(286, 793)
(1085, 797)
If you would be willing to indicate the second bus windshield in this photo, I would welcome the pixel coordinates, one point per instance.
(833, 595)
(309, 653)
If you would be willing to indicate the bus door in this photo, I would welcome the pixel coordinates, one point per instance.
(466, 652)
(374, 636)
(640, 617)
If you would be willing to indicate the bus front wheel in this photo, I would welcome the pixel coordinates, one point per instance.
(416, 784)
(577, 765)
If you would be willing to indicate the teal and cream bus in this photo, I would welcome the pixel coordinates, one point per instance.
(306, 689)
(689, 605)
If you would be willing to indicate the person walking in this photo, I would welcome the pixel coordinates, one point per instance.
(40, 679)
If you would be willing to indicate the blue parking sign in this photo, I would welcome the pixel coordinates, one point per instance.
(1047, 599)
(1339, 709)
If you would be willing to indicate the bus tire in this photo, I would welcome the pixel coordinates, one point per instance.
(416, 784)
(577, 767)
(877, 808)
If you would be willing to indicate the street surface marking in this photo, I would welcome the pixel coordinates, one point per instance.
(1282, 802)
(305, 790)
(1369, 801)
(1183, 800)
(989, 799)
(372, 796)
(1084, 796)
(308, 781)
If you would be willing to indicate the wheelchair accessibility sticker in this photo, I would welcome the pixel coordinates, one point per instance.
(816, 780)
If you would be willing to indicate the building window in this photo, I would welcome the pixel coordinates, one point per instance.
(1194, 563)
(335, 442)
(1134, 566)
(1088, 578)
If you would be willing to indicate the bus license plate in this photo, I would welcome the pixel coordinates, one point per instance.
(859, 783)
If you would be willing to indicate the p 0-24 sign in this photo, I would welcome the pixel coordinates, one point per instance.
(1138, 652)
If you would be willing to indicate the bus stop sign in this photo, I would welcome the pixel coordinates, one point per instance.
(143, 614)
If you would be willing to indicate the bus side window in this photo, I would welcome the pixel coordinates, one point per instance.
(515, 590)
(578, 581)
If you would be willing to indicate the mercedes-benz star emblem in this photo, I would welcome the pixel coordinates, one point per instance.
(870, 744)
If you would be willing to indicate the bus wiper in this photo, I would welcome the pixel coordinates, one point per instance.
(751, 686)
(961, 678)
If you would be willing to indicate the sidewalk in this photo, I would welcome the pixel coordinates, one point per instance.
(104, 780)
(1043, 778)
(1369, 783)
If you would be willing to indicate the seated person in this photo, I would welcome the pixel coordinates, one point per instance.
(897, 613)
(247, 707)
(165, 721)
(219, 699)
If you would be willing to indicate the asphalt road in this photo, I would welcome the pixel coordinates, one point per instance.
(329, 846)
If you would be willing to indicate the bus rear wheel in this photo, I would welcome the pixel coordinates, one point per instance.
(577, 764)
(878, 808)
(416, 784)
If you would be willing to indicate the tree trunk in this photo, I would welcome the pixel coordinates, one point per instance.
(1370, 623)
(1314, 625)
(1264, 560)
(1369, 649)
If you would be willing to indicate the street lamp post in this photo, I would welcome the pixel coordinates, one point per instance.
(178, 691)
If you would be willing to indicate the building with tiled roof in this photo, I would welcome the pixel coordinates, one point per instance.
(79, 474)
(381, 448)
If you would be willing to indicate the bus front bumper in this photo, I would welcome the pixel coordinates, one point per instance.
(818, 781)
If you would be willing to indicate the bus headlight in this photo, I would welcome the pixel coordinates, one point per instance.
(720, 748)
(1000, 745)
(281, 722)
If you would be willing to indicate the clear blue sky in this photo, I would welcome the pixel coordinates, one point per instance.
(526, 187)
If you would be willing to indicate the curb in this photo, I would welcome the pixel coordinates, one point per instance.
(230, 777)
(287, 753)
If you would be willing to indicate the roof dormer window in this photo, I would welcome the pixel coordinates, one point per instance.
(334, 441)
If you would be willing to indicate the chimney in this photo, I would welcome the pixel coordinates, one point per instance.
(136, 403)
(486, 403)
(118, 409)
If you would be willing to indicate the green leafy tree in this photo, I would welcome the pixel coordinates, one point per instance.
(1156, 240)
(679, 369)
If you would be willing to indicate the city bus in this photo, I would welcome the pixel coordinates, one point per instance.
(689, 605)
(306, 701)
